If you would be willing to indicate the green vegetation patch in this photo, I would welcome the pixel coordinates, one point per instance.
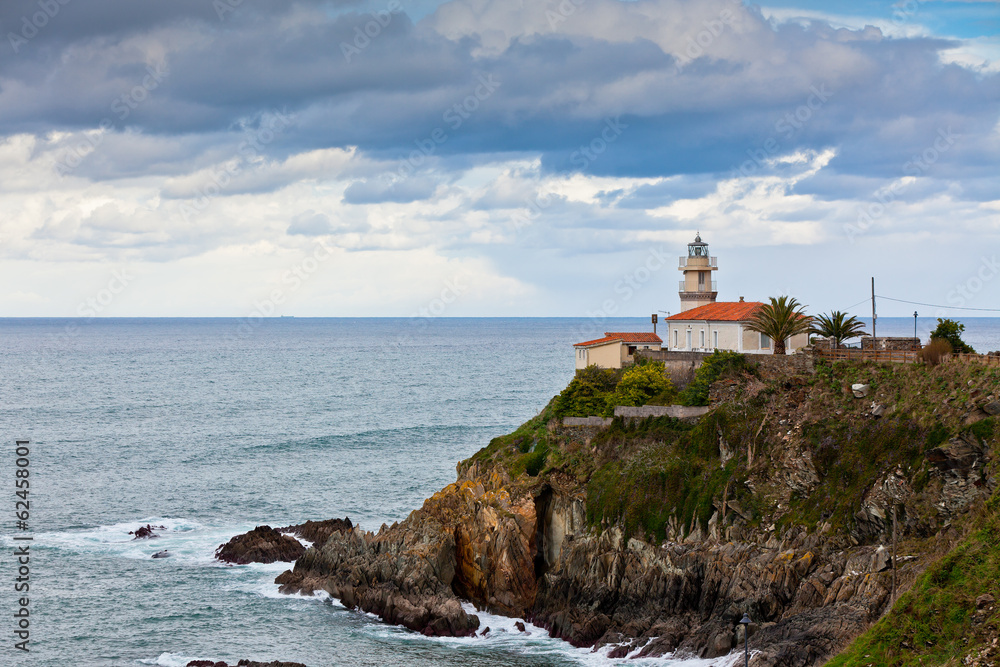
(719, 364)
(935, 622)
(674, 471)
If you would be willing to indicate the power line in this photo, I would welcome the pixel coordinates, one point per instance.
(934, 305)
(865, 300)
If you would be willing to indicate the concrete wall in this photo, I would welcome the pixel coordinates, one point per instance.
(605, 356)
(675, 411)
(680, 366)
(586, 421)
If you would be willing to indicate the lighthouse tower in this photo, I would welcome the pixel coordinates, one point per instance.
(697, 288)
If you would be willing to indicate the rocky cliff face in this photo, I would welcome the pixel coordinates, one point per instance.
(812, 570)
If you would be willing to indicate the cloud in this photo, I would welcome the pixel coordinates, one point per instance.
(379, 190)
(532, 142)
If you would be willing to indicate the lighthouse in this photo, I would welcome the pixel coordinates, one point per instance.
(697, 288)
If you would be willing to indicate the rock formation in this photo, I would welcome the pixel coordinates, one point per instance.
(525, 545)
(244, 663)
(318, 532)
(145, 532)
(263, 544)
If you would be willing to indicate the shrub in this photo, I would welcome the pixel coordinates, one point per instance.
(934, 351)
(587, 393)
(718, 364)
(640, 384)
(951, 331)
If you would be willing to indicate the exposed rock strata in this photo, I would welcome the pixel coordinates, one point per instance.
(318, 532)
(522, 547)
(243, 663)
(263, 544)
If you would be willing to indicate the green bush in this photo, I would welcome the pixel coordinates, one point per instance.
(587, 393)
(720, 363)
(639, 385)
(951, 331)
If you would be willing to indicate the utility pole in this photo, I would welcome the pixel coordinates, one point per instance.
(892, 596)
(873, 310)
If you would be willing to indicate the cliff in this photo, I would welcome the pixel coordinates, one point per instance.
(655, 536)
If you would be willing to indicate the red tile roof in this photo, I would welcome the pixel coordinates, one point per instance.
(720, 311)
(623, 337)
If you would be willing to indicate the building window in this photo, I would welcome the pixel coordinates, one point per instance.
(702, 338)
(715, 339)
(765, 342)
(688, 341)
(676, 344)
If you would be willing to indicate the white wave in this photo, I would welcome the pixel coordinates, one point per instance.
(188, 542)
(536, 641)
(171, 660)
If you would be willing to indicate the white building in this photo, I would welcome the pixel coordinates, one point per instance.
(704, 324)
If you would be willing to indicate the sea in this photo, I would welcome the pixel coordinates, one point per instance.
(210, 427)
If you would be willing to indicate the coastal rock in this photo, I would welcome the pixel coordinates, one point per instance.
(860, 390)
(263, 544)
(318, 532)
(145, 532)
(161, 554)
(244, 663)
(992, 408)
(528, 545)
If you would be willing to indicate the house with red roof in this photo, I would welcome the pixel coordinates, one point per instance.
(615, 349)
(704, 324)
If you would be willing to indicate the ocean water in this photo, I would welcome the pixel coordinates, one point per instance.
(209, 428)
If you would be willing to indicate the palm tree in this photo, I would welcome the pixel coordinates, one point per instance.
(838, 326)
(779, 320)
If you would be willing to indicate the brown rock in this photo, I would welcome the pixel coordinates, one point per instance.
(318, 532)
(263, 544)
(984, 600)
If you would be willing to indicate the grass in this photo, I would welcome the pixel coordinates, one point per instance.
(934, 622)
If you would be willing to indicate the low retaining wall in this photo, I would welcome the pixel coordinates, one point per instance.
(586, 421)
(628, 412)
(680, 366)
(675, 411)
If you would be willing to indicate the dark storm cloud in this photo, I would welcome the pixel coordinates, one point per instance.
(583, 102)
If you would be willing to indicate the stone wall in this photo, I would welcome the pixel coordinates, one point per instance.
(675, 411)
(773, 366)
(888, 343)
(585, 421)
(680, 366)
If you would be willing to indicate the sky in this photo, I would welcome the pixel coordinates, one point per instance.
(245, 158)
